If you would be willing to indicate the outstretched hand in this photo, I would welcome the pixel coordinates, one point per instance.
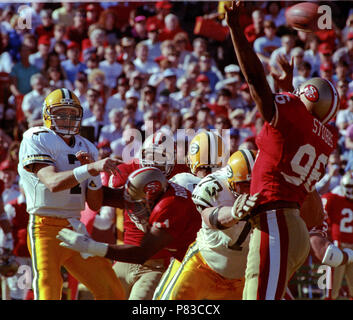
(232, 13)
(284, 80)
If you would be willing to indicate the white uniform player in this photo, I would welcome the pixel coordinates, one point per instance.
(43, 145)
(214, 266)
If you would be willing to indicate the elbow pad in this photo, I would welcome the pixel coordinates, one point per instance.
(333, 256)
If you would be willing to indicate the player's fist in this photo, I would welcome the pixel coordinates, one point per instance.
(243, 205)
(108, 165)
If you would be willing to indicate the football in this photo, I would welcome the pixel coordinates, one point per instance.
(303, 16)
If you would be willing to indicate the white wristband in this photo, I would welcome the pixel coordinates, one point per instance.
(95, 182)
(81, 173)
(333, 256)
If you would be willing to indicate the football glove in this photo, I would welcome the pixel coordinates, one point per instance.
(243, 205)
(81, 242)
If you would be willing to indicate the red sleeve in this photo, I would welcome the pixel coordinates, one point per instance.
(167, 214)
(332, 219)
(117, 181)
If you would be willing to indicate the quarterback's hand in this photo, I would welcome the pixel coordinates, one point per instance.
(108, 165)
(84, 157)
(243, 205)
(81, 243)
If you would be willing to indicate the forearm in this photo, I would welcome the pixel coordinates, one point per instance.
(94, 199)
(113, 197)
(127, 253)
(218, 217)
(253, 72)
(58, 181)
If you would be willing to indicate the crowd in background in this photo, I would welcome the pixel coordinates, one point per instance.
(140, 64)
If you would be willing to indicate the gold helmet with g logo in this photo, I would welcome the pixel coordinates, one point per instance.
(320, 98)
(206, 150)
(65, 123)
(239, 167)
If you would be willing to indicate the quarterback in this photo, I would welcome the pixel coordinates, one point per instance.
(294, 145)
(56, 188)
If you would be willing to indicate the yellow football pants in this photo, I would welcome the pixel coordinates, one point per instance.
(193, 279)
(48, 257)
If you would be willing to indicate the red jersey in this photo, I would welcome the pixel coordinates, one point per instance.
(133, 235)
(340, 216)
(16, 210)
(177, 214)
(293, 152)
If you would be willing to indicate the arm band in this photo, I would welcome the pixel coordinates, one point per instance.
(213, 218)
(81, 173)
(350, 254)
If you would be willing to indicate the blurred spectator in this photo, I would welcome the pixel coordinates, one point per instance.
(128, 50)
(33, 101)
(110, 67)
(6, 61)
(137, 81)
(108, 19)
(181, 99)
(203, 88)
(60, 48)
(311, 53)
(171, 27)
(5, 142)
(29, 40)
(204, 119)
(348, 27)
(38, 59)
(126, 147)
(139, 31)
(21, 73)
(344, 117)
(233, 140)
(91, 61)
(182, 46)
(170, 83)
(222, 104)
(237, 118)
(341, 72)
(112, 131)
(347, 154)
(77, 31)
(52, 60)
(304, 74)
(189, 121)
(92, 98)
(152, 42)
(173, 123)
(333, 175)
(96, 80)
(199, 47)
(162, 10)
(81, 86)
(46, 28)
(297, 54)
(95, 42)
(98, 120)
(65, 14)
(8, 174)
(221, 122)
(276, 13)
(325, 53)
(214, 75)
(73, 65)
(56, 79)
(117, 101)
(93, 10)
(287, 44)
(326, 71)
(142, 63)
(264, 46)
(342, 89)
(148, 99)
(256, 28)
(59, 35)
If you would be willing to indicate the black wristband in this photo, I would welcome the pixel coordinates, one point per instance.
(213, 218)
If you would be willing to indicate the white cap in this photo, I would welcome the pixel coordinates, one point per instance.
(132, 94)
(232, 68)
(169, 73)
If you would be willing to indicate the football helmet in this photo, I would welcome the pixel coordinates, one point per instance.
(347, 185)
(64, 123)
(143, 187)
(206, 150)
(320, 98)
(159, 150)
(239, 167)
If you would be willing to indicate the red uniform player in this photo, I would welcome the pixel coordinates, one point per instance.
(294, 145)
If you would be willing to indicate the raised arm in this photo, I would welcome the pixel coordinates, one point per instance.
(250, 64)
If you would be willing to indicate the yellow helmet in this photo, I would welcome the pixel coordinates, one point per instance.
(62, 98)
(239, 167)
(206, 150)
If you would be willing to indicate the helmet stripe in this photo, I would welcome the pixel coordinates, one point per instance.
(334, 103)
(249, 159)
(210, 147)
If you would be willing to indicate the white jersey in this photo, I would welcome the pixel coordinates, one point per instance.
(186, 180)
(220, 248)
(42, 145)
